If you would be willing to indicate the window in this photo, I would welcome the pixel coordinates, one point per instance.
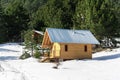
(66, 47)
(85, 48)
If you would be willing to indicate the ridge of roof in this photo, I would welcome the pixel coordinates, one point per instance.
(39, 32)
(67, 29)
(71, 36)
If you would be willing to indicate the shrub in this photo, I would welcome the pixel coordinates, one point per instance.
(37, 54)
(25, 55)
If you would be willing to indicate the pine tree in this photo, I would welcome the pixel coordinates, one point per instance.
(3, 29)
(97, 16)
(16, 18)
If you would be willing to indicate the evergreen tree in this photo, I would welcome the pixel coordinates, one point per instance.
(102, 17)
(97, 16)
(3, 29)
(116, 8)
(16, 19)
(56, 13)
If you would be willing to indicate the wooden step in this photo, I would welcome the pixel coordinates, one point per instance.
(46, 59)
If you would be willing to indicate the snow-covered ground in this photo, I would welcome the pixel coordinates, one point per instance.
(105, 65)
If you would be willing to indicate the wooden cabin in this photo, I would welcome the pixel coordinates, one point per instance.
(38, 36)
(69, 44)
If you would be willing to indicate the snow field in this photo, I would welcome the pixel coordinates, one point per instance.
(105, 65)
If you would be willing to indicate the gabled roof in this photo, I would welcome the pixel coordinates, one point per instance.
(38, 32)
(71, 36)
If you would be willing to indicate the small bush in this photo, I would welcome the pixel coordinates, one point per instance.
(37, 55)
(25, 55)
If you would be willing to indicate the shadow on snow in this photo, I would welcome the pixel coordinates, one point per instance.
(107, 57)
(5, 50)
(3, 58)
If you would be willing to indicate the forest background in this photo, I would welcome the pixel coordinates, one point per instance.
(101, 17)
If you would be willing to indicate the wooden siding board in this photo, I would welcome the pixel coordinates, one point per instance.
(76, 51)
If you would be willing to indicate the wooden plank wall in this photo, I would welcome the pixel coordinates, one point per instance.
(76, 51)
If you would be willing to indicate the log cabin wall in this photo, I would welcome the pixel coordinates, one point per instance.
(76, 51)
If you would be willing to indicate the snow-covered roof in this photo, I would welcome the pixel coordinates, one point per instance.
(71, 36)
(39, 32)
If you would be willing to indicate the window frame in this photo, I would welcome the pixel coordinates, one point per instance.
(66, 48)
(85, 48)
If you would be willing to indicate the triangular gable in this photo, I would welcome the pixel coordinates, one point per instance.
(46, 40)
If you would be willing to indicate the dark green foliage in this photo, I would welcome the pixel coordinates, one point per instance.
(102, 17)
(28, 39)
(16, 19)
(31, 43)
(3, 29)
(2, 34)
(33, 5)
(25, 55)
(37, 54)
(56, 13)
(97, 16)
